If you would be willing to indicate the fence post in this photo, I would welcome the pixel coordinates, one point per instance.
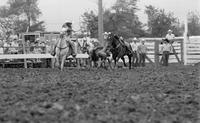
(24, 50)
(182, 55)
(156, 53)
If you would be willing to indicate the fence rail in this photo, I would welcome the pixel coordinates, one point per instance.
(193, 50)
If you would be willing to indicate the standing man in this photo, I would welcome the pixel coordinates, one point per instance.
(134, 47)
(166, 49)
(142, 50)
(15, 46)
(170, 36)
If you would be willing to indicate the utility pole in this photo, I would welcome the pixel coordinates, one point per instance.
(100, 21)
(185, 38)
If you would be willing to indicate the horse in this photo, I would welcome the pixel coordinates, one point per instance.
(62, 50)
(119, 48)
(99, 56)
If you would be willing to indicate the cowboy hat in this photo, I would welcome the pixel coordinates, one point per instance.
(68, 22)
(169, 30)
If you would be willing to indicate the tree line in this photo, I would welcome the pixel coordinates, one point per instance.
(20, 16)
(122, 19)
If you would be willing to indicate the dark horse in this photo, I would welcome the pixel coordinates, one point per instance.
(119, 48)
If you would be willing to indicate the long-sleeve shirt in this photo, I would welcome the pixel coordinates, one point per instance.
(134, 46)
(166, 47)
(170, 36)
(142, 48)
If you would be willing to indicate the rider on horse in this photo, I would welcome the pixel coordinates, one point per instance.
(67, 32)
(67, 29)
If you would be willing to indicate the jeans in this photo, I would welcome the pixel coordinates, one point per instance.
(135, 58)
(165, 58)
(142, 59)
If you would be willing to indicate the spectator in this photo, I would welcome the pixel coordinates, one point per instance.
(37, 49)
(6, 46)
(14, 46)
(42, 46)
(134, 47)
(166, 49)
(142, 50)
(48, 47)
(1, 47)
(170, 36)
(28, 46)
(160, 52)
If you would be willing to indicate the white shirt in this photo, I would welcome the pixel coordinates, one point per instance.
(142, 48)
(134, 46)
(170, 36)
(1, 50)
(166, 47)
(14, 46)
(6, 45)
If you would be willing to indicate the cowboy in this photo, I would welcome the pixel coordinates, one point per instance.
(67, 29)
(134, 47)
(14, 45)
(166, 49)
(142, 50)
(170, 36)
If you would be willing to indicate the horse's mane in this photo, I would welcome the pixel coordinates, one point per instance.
(114, 37)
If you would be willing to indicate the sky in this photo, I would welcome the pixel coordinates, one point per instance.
(56, 12)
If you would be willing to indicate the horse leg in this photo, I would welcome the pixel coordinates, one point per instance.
(78, 63)
(123, 59)
(57, 61)
(134, 60)
(99, 63)
(129, 58)
(115, 62)
(109, 62)
(62, 62)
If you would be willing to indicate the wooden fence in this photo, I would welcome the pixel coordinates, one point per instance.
(193, 50)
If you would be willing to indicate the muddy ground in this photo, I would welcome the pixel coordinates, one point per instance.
(142, 95)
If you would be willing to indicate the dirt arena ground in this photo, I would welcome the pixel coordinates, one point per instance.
(142, 95)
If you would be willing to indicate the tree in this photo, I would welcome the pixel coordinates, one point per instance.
(119, 19)
(25, 14)
(122, 19)
(90, 22)
(193, 23)
(159, 22)
(6, 26)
